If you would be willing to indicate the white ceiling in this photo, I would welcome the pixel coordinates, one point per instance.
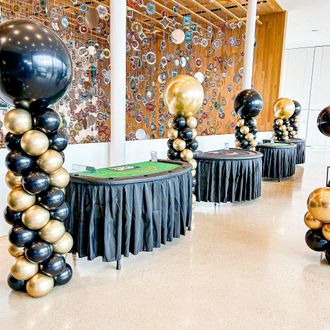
(303, 17)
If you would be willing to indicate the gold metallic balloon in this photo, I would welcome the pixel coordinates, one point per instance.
(50, 161)
(237, 144)
(244, 130)
(34, 143)
(179, 144)
(285, 133)
(282, 128)
(52, 232)
(193, 163)
(59, 178)
(240, 123)
(249, 137)
(18, 121)
(253, 143)
(39, 285)
(170, 122)
(312, 223)
(186, 155)
(184, 95)
(279, 122)
(191, 122)
(173, 134)
(64, 244)
(22, 269)
(13, 180)
(193, 198)
(284, 108)
(35, 217)
(15, 251)
(290, 129)
(326, 231)
(194, 133)
(318, 204)
(19, 200)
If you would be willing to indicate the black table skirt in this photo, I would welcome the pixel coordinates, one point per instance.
(114, 220)
(301, 150)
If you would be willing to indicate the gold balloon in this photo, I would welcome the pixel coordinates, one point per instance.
(249, 137)
(194, 133)
(35, 217)
(34, 143)
(279, 122)
(18, 121)
(39, 285)
(173, 134)
(193, 163)
(318, 204)
(15, 251)
(52, 232)
(240, 123)
(179, 144)
(285, 133)
(284, 108)
(64, 244)
(13, 180)
(193, 173)
(59, 178)
(19, 200)
(312, 223)
(282, 128)
(326, 231)
(191, 122)
(50, 161)
(237, 144)
(22, 269)
(194, 199)
(186, 155)
(184, 95)
(170, 122)
(244, 130)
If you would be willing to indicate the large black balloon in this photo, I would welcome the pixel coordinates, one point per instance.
(12, 217)
(53, 266)
(248, 103)
(38, 251)
(323, 121)
(64, 277)
(35, 182)
(186, 134)
(19, 162)
(179, 122)
(47, 120)
(13, 142)
(58, 141)
(297, 109)
(52, 198)
(192, 144)
(35, 66)
(240, 136)
(173, 154)
(16, 285)
(170, 144)
(244, 144)
(61, 213)
(21, 236)
(315, 240)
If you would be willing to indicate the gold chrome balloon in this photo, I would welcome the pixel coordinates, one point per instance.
(285, 133)
(15, 251)
(22, 269)
(13, 180)
(39, 285)
(19, 200)
(326, 231)
(249, 137)
(284, 108)
(191, 122)
(240, 123)
(184, 95)
(193, 173)
(318, 204)
(279, 122)
(173, 134)
(179, 144)
(34, 143)
(170, 122)
(244, 130)
(59, 178)
(194, 199)
(193, 163)
(18, 121)
(52, 232)
(312, 223)
(186, 155)
(282, 128)
(237, 144)
(64, 244)
(253, 143)
(194, 133)
(35, 217)
(50, 161)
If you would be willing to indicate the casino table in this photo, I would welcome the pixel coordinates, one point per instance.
(232, 175)
(301, 150)
(279, 160)
(128, 209)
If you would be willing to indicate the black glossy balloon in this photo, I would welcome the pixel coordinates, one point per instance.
(193, 189)
(240, 136)
(323, 121)
(297, 107)
(51, 198)
(61, 213)
(19, 162)
(35, 182)
(21, 235)
(315, 240)
(194, 182)
(179, 122)
(248, 103)
(12, 217)
(170, 144)
(327, 256)
(186, 134)
(13, 142)
(173, 154)
(58, 141)
(254, 130)
(244, 144)
(64, 277)
(38, 251)
(47, 120)
(16, 285)
(192, 144)
(35, 66)
(54, 265)
(249, 122)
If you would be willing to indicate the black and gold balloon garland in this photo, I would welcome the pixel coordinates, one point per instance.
(294, 121)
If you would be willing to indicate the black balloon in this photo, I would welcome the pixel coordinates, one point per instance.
(297, 107)
(54, 265)
(35, 66)
(315, 240)
(192, 144)
(19, 162)
(13, 142)
(61, 213)
(244, 144)
(16, 285)
(64, 277)
(58, 141)
(240, 136)
(52, 198)
(248, 103)
(254, 130)
(194, 182)
(12, 217)
(327, 255)
(21, 236)
(170, 144)
(38, 251)
(47, 120)
(323, 121)
(173, 154)
(186, 134)
(249, 122)
(179, 122)
(35, 182)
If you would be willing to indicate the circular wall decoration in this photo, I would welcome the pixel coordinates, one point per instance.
(178, 36)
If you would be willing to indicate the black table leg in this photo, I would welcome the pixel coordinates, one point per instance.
(119, 264)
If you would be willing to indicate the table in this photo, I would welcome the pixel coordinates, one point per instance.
(301, 148)
(232, 175)
(279, 160)
(127, 209)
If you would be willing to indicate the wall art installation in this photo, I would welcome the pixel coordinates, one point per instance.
(35, 71)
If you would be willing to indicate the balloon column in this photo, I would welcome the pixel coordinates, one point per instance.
(248, 104)
(284, 108)
(294, 121)
(35, 71)
(183, 96)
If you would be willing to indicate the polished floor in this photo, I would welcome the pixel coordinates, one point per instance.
(243, 266)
